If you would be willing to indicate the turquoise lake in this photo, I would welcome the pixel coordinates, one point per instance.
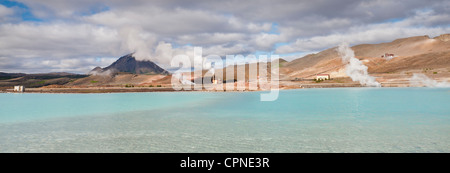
(305, 120)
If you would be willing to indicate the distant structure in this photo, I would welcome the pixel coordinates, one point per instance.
(387, 55)
(322, 77)
(19, 88)
(214, 80)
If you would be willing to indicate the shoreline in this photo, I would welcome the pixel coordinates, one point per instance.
(100, 90)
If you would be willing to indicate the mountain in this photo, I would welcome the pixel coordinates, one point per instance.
(4, 76)
(129, 64)
(37, 80)
(411, 55)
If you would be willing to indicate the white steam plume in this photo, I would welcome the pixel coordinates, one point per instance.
(418, 80)
(355, 68)
(144, 46)
(102, 73)
(183, 79)
(136, 41)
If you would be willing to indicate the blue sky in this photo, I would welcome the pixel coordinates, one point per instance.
(22, 10)
(76, 36)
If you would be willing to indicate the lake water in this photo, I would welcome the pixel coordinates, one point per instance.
(308, 120)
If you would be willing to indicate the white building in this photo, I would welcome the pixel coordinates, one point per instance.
(322, 77)
(19, 88)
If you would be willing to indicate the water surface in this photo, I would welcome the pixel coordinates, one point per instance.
(308, 120)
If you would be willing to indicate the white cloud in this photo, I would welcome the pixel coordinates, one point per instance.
(29, 44)
(266, 42)
(6, 13)
(30, 40)
(74, 33)
(169, 22)
(223, 50)
(373, 33)
(211, 38)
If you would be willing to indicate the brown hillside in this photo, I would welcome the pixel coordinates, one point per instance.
(413, 53)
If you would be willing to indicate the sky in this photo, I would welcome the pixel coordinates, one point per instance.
(76, 36)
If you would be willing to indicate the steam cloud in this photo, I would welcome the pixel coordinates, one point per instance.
(422, 80)
(102, 73)
(134, 40)
(355, 68)
(145, 47)
(183, 79)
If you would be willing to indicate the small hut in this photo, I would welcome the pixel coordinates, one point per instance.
(19, 88)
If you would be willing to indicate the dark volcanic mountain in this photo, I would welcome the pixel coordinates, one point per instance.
(37, 80)
(129, 64)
